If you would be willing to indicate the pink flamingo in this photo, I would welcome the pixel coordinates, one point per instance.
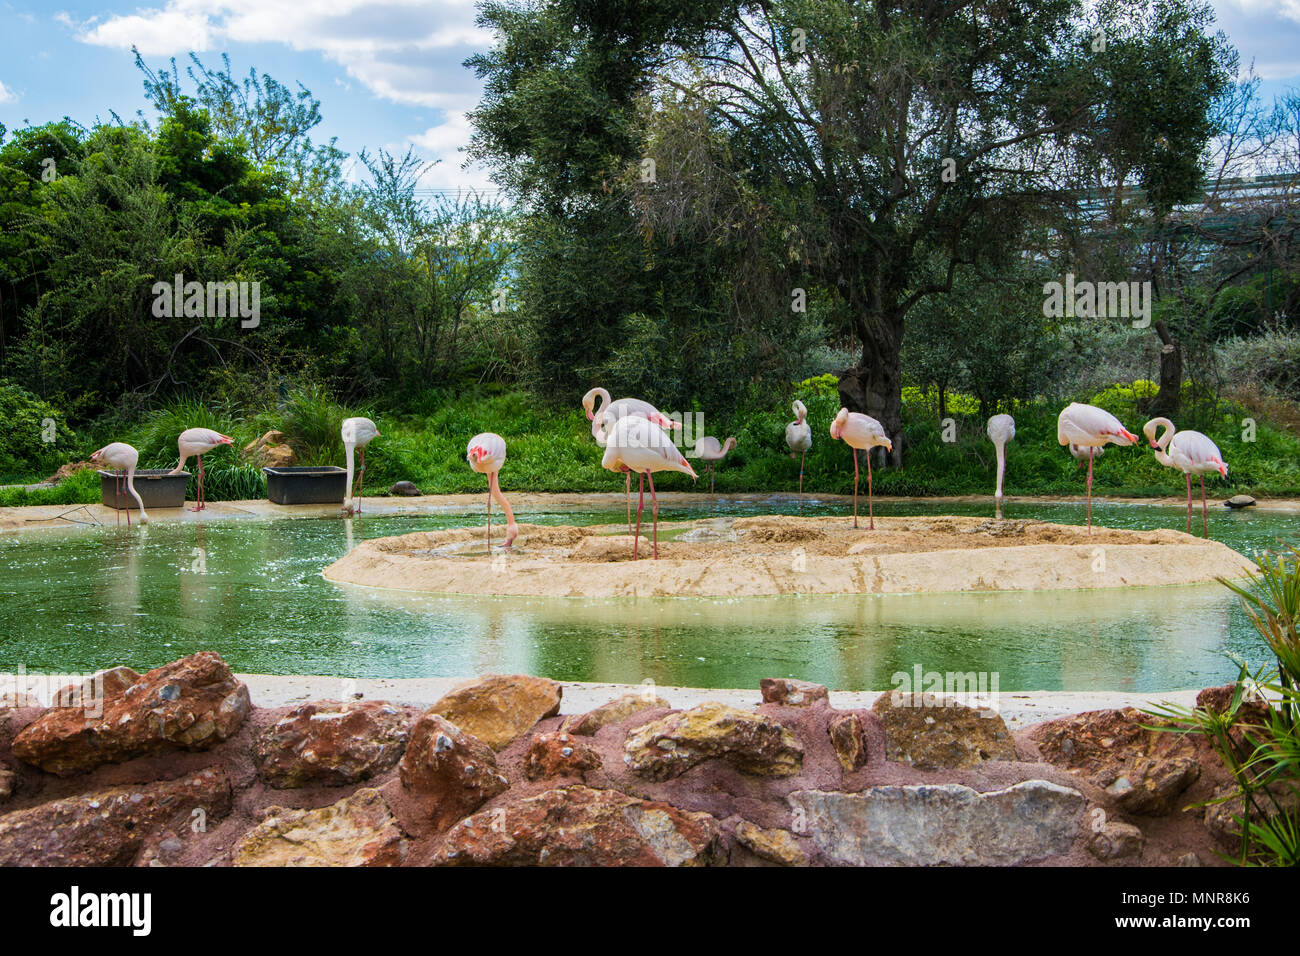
(861, 432)
(357, 433)
(486, 453)
(798, 438)
(121, 457)
(198, 441)
(1191, 453)
(1090, 427)
(1001, 429)
(710, 452)
(635, 444)
(1081, 454)
(604, 417)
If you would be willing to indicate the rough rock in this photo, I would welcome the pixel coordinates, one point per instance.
(1116, 841)
(8, 783)
(849, 738)
(750, 742)
(499, 708)
(191, 704)
(359, 830)
(107, 827)
(579, 826)
(618, 709)
(776, 846)
(940, 825)
(792, 693)
(18, 700)
(455, 772)
(405, 489)
(1239, 501)
(1221, 818)
(1188, 859)
(1144, 770)
(559, 755)
(1251, 711)
(271, 450)
(331, 742)
(935, 733)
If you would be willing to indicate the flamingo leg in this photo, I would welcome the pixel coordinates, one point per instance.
(871, 512)
(710, 479)
(198, 494)
(1205, 521)
(121, 494)
(361, 480)
(640, 505)
(489, 516)
(654, 509)
(855, 487)
(627, 488)
(801, 454)
(117, 500)
(1089, 487)
(1188, 476)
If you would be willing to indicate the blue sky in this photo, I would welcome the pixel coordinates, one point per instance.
(387, 72)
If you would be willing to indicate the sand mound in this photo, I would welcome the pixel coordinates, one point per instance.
(789, 555)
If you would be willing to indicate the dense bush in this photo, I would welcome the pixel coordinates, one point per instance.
(35, 439)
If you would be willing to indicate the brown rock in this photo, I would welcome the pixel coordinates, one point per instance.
(934, 733)
(559, 755)
(455, 772)
(792, 693)
(67, 471)
(8, 783)
(578, 826)
(404, 489)
(1188, 859)
(499, 708)
(359, 830)
(750, 742)
(1222, 818)
(332, 742)
(849, 738)
(1251, 711)
(271, 450)
(16, 700)
(191, 704)
(1144, 770)
(1116, 841)
(617, 710)
(107, 827)
(776, 846)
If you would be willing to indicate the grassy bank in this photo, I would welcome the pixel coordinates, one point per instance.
(552, 450)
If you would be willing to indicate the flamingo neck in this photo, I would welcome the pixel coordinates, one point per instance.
(1002, 464)
(130, 486)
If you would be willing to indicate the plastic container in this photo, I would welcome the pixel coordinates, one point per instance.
(306, 484)
(157, 489)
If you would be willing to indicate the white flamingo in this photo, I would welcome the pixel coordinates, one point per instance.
(357, 434)
(198, 441)
(604, 416)
(860, 431)
(486, 453)
(121, 457)
(710, 452)
(1081, 454)
(1090, 427)
(798, 438)
(637, 445)
(1191, 453)
(1001, 429)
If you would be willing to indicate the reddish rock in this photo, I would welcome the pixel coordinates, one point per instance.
(499, 708)
(937, 733)
(191, 704)
(1144, 770)
(775, 846)
(559, 755)
(455, 772)
(8, 783)
(792, 693)
(15, 700)
(1251, 711)
(1116, 841)
(616, 711)
(1224, 814)
(750, 742)
(849, 738)
(107, 827)
(578, 826)
(358, 830)
(332, 742)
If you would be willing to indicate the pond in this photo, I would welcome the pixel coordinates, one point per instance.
(79, 599)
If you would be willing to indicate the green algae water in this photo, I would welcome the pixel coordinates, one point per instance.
(79, 599)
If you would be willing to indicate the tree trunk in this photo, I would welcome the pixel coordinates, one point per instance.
(1168, 400)
(875, 387)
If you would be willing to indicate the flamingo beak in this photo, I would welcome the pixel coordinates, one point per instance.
(590, 414)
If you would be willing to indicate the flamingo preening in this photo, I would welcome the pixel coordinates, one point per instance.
(198, 441)
(1001, 429)
(635, 444)
(860, 431)
(1090, 427)
(357, 434)
(486, 453)
(798, 438)
(122, 458)
(710, 452)
(604, 416)
(1081, 454)
(1191, 453)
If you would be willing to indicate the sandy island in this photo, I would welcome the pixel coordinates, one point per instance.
(767, 555)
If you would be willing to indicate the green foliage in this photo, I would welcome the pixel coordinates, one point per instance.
(28, 423)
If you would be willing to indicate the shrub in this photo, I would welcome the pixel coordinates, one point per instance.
(29, 423)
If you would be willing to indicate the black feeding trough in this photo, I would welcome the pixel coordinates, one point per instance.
(158, 488)
(306, 484)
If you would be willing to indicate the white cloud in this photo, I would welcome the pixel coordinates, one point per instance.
(7, 95)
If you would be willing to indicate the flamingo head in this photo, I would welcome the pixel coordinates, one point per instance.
(95, 456)
(475, 454)
(841, 419)
(589, 402)
(800, 411)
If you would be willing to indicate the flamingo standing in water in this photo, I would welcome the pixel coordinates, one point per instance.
(1090, 427)
(357, 434)
(710, 452)
(198, 441)
(604, 416)
(798, 438)
(1001, 429)
(635, 444)
(860, 431)
(486, 453)
(121, 457)
(1191, 453)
